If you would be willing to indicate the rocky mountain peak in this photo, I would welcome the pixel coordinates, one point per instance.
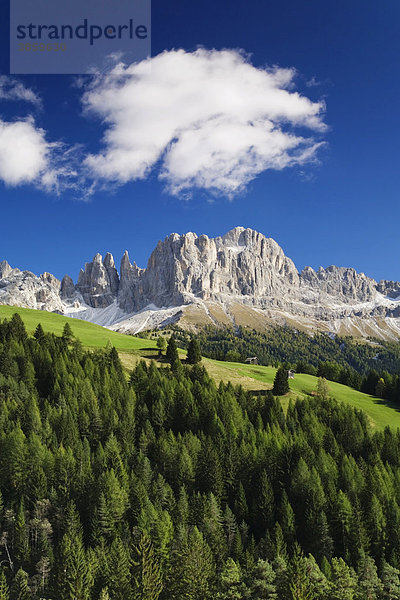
(67, 289)
(129, 283)
(109, 261)
(98, 284)
(5, 269)
(51, 280)
(343, 283)
(389, 288)
(242, 268)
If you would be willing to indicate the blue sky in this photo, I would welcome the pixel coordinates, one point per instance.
(343, 209)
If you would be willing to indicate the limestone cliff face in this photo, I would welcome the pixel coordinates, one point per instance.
(243, 263)
(241, 268)
(345, 284)
(98, 283)
(23, 288)
(129, 289)
(389, 288)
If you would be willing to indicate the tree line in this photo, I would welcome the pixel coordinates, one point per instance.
(371, 367)
(164, 486)
(283, 344)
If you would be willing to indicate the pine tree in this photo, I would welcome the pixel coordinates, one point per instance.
(20, 589)
(67, 334)
(262, 581)
(193, 352)
(148, 579)
(369, 584)
(322, 388)
(281, 382)
(75, 578)
(118, 571)
(21, 536)
(390, 582)
(39, 333)
(4, 594)
(299, 586)
(161, 344)
(172, 351)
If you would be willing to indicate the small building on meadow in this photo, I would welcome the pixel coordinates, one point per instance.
(291, 374)
(252, 360)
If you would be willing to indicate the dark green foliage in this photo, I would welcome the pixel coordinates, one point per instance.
(4, 595)
(370, 367)
(161, 344)
(67, 334)
(299, 585)
(304, 353)
(390, 582)
(39, 334)
(20, 589)
(148, 579)
(172, 351)
(281, 382)
(168, 487)
(193, 352)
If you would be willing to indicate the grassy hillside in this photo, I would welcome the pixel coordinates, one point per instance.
(380, 413)
(251, 377)
(91, 335)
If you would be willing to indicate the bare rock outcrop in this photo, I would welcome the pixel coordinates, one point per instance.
(243, 268)
(98, 283)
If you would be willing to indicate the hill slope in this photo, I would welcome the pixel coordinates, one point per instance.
(91, 335)
(251, 377)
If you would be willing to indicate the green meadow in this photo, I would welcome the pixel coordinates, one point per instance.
(91, 335)
(251, 377)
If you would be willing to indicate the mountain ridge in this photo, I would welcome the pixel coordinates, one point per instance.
(240, 278)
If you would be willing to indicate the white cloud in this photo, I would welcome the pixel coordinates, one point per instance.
(208, 119)
(24, 152)
(10, 89)
(26, 157)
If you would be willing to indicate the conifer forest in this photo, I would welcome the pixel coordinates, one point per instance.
(160, 485)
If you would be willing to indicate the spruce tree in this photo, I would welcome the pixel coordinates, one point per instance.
(67, 334)
(322, 388)
(148, 579)
(281, 382)
(193, 352)
(161, 344)
(21, 536)
(299, 585)
(75, 577)
(18, 327)
(172, 351)
(20, 589)
(230, 582)
(369, 584)
(118, 571)
(391, 582)
(262, 581)
(39, 333)
(193, 569)
(4, 593)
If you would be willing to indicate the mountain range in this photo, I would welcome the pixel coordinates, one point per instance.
(240, 279)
